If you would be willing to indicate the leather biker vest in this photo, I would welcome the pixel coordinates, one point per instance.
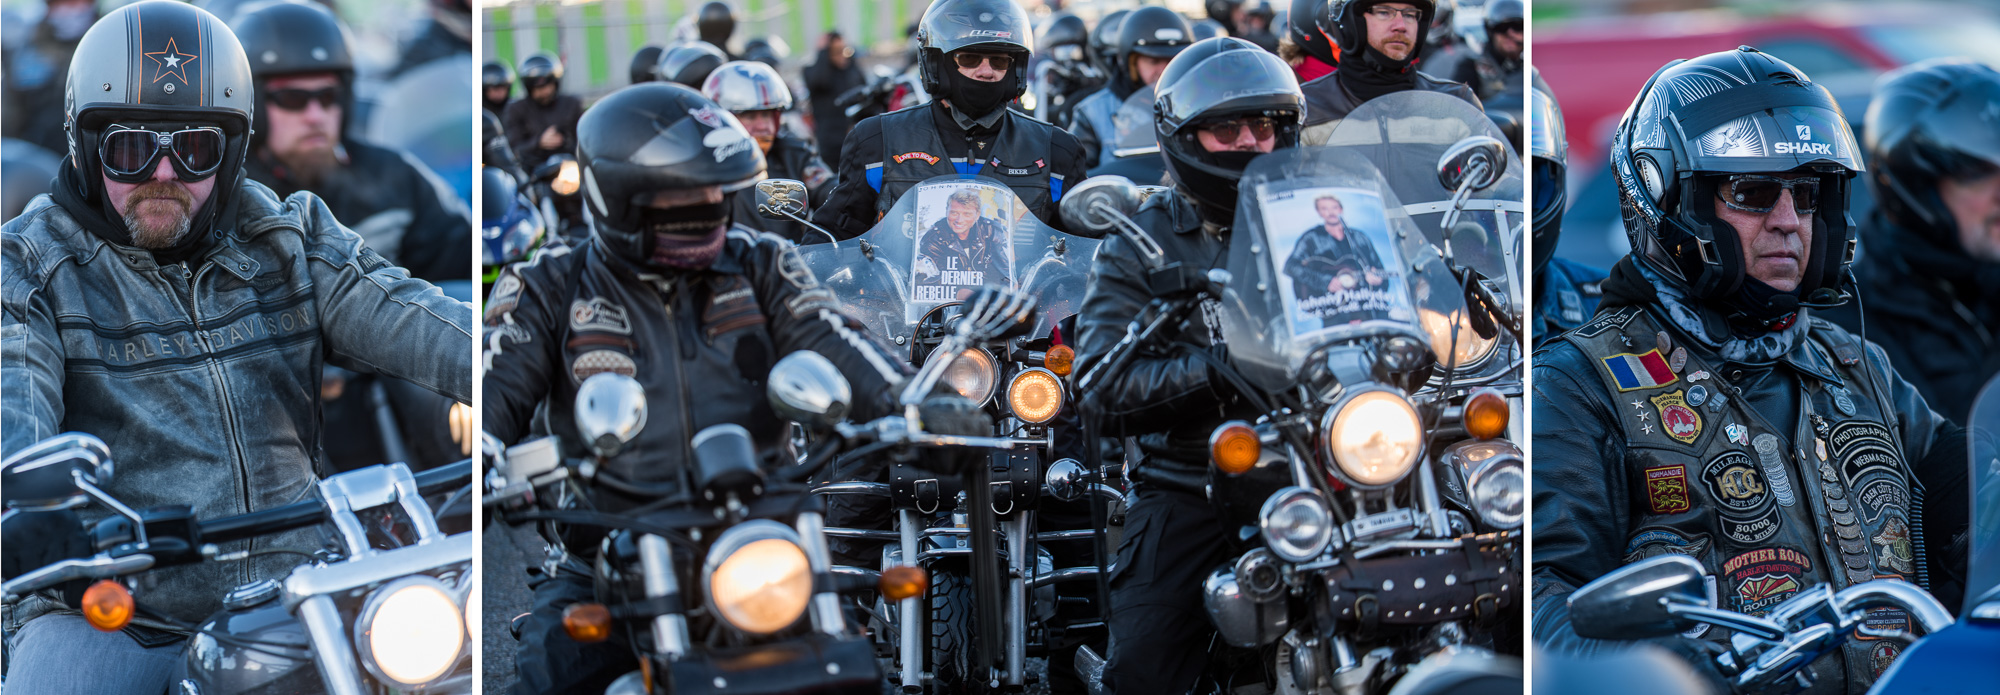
(1769, 505)
(912, 152)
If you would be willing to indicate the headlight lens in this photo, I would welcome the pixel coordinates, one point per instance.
(1374, 438)
(1470, 349)
(1034, 396)
(1499, 491)
(1296, 524)
(567, 180)
(411, 631)
(757, 577)
(973, 374)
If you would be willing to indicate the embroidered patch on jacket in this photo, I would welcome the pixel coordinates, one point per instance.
(926, 156)
(1667, 489)
(597, 362)
(1763, 578)
(1893, 546)
(1882, 656)
(1676, 418)
(1643, 371)
(600, 315)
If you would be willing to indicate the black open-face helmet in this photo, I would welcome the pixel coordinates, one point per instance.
(949, 26)
(1104, 40)
(1548, 154)
(285, 38)
(715, 23)
(1151, 31)
(689, 62)
(645, 65)
(1731, 112)
(664, 143)
(1346, 22)
(1214, 80)
(1223, 12)
(1302, 24)
(165, 66)
(539, 69)
(496, 74)
(1062, 29)
(1935, 119)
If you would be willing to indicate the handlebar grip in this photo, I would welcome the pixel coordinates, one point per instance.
(296, 515)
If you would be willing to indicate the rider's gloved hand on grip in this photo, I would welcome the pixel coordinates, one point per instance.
(32, 540)
(953, 414)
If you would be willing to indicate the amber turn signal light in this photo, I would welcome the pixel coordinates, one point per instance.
(1234, 447)
(1486, 414)
(587, 622)
(1059, 359)
(903, 581)
(107, 605)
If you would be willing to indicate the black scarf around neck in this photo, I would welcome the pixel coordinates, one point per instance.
(1367, 73)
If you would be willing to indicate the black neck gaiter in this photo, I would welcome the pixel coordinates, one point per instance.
(978, 99)
(1366, 73)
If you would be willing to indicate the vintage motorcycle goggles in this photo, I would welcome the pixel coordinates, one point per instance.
(129, 155)
(1759, 194)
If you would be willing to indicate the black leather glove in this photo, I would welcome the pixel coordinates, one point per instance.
(32, 540)
(952, 414)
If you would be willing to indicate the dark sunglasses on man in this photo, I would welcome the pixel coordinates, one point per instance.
(129, 154)
(968, 61)
(1261, 128)
(297, 99)
(1757, 193)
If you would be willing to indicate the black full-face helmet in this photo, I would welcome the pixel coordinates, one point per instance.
(1347, 23)
(164, 66)
(715, 23)
(1935, 119)
(664, 144)
(1302, 24)
(286, 38)
(1151, 31)
(1548, 150)
(1215, 80)
(1731, 112)
(688, 63)
(994, 26)
(1104, 40)
(540, 69)
(645, 64)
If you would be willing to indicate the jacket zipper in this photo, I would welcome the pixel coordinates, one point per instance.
(674, 290)
(189, 280)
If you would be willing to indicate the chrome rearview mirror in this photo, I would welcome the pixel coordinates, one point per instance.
(55, 473)
(780, 199)
(1656, 597)
(806, 388)
(1089, 209)
(1476, 162)
(1065, 480)
(610, 412)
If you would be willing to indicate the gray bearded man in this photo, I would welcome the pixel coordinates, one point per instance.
(1706, 412)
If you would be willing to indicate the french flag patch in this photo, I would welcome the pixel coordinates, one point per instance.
(1645, 371)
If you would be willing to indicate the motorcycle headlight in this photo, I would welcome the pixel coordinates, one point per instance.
(568, 179)
(974, 374)
(1470, 349)
(1034, 396)
(411, 631)
(1498, 488)
(757, 577)
(1296, 524)
(1374, 438)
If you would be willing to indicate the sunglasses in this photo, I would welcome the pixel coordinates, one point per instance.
(129, 155)
(1227, 131)
(296, 99)
(1759, 194)
(1509, 28)
(969, 61)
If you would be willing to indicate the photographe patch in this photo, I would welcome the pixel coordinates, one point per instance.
(1763, 578)
(598, 314)
(1654, 541)
(1861, 448)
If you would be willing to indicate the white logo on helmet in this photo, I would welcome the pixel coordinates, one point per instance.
(1805, 132)
(706, 116)
(726, 142)
(1169, 34)
(319, 53)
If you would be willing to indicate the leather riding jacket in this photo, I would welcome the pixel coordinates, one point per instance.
(1327, 101)
(700, 342)
(203, 377)
(1166, 397)
(398, 205)
(1776, 477)
(1568, 296)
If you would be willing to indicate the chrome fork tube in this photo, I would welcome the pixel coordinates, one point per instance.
(910, 634)
(670, 632)
(825, 604)
(1017, 597)
(330, 646)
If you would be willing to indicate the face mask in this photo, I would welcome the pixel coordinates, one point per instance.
(685, 238)
(975, 98)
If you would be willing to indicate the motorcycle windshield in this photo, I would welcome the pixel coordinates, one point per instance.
(1982, 582)
(1323, 252)
(945, 238)
(1133, 123)
(1405, 134)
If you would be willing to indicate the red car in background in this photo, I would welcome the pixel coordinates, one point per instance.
(1597, 65)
